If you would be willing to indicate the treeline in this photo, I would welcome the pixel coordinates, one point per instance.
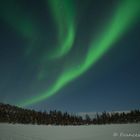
(13, 114)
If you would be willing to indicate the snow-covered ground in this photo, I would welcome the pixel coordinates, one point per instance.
(93, 132)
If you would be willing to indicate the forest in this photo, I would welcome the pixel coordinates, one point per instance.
(14, 114)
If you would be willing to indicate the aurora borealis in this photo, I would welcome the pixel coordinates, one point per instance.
(60, 42)
(63, 13)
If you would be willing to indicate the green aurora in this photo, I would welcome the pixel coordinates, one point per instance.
(122, 20)
(64, 16)
(14, 14)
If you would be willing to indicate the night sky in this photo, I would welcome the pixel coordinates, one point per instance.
(70, 55)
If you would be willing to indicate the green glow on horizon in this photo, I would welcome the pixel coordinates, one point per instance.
(123, 18)
(64, 17)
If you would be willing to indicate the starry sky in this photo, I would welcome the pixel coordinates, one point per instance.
(70, 55)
